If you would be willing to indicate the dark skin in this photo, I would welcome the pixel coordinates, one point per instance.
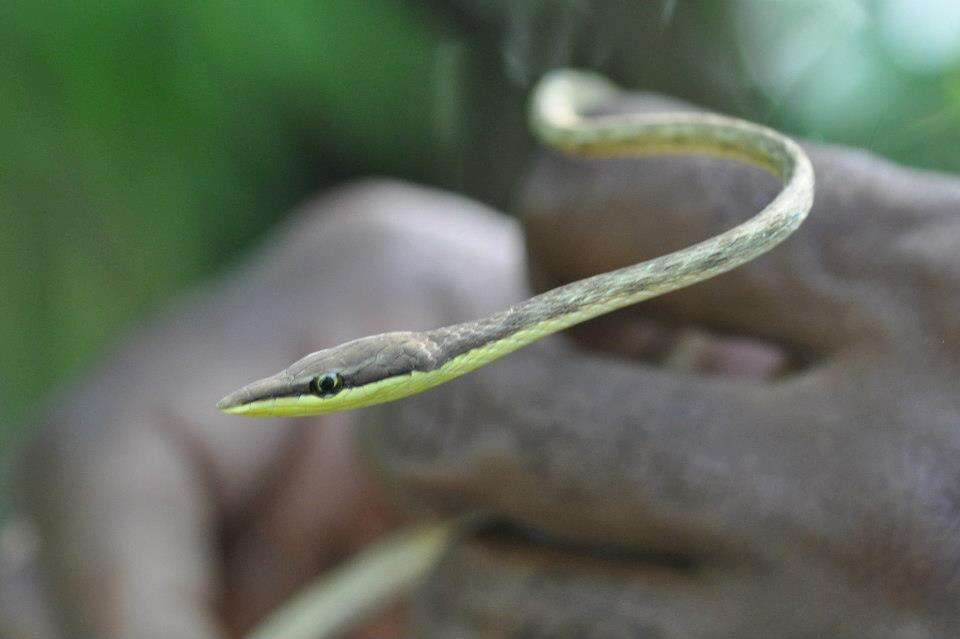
(770, 453)
(829, 480)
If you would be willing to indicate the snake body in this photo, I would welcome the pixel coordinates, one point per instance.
(390, 366)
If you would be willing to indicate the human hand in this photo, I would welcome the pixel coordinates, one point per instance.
(796, 478)
(161, 517)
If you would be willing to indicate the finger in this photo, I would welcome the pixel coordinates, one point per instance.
(504, 587)
(599, 450)
(841, 276)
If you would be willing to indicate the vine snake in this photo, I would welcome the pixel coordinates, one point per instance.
(390, 366)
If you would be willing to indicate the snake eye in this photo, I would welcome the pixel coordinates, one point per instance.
(326, 385)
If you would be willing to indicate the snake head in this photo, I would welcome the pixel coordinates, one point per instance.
(366, 371)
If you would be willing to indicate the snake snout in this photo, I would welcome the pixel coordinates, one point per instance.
(244, 399)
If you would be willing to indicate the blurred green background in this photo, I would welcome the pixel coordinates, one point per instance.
(145, 143)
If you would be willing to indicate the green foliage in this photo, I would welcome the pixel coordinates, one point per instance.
(142, 142)
(880, 76)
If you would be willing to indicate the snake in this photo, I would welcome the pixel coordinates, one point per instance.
(390, 366)
(570, 112)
